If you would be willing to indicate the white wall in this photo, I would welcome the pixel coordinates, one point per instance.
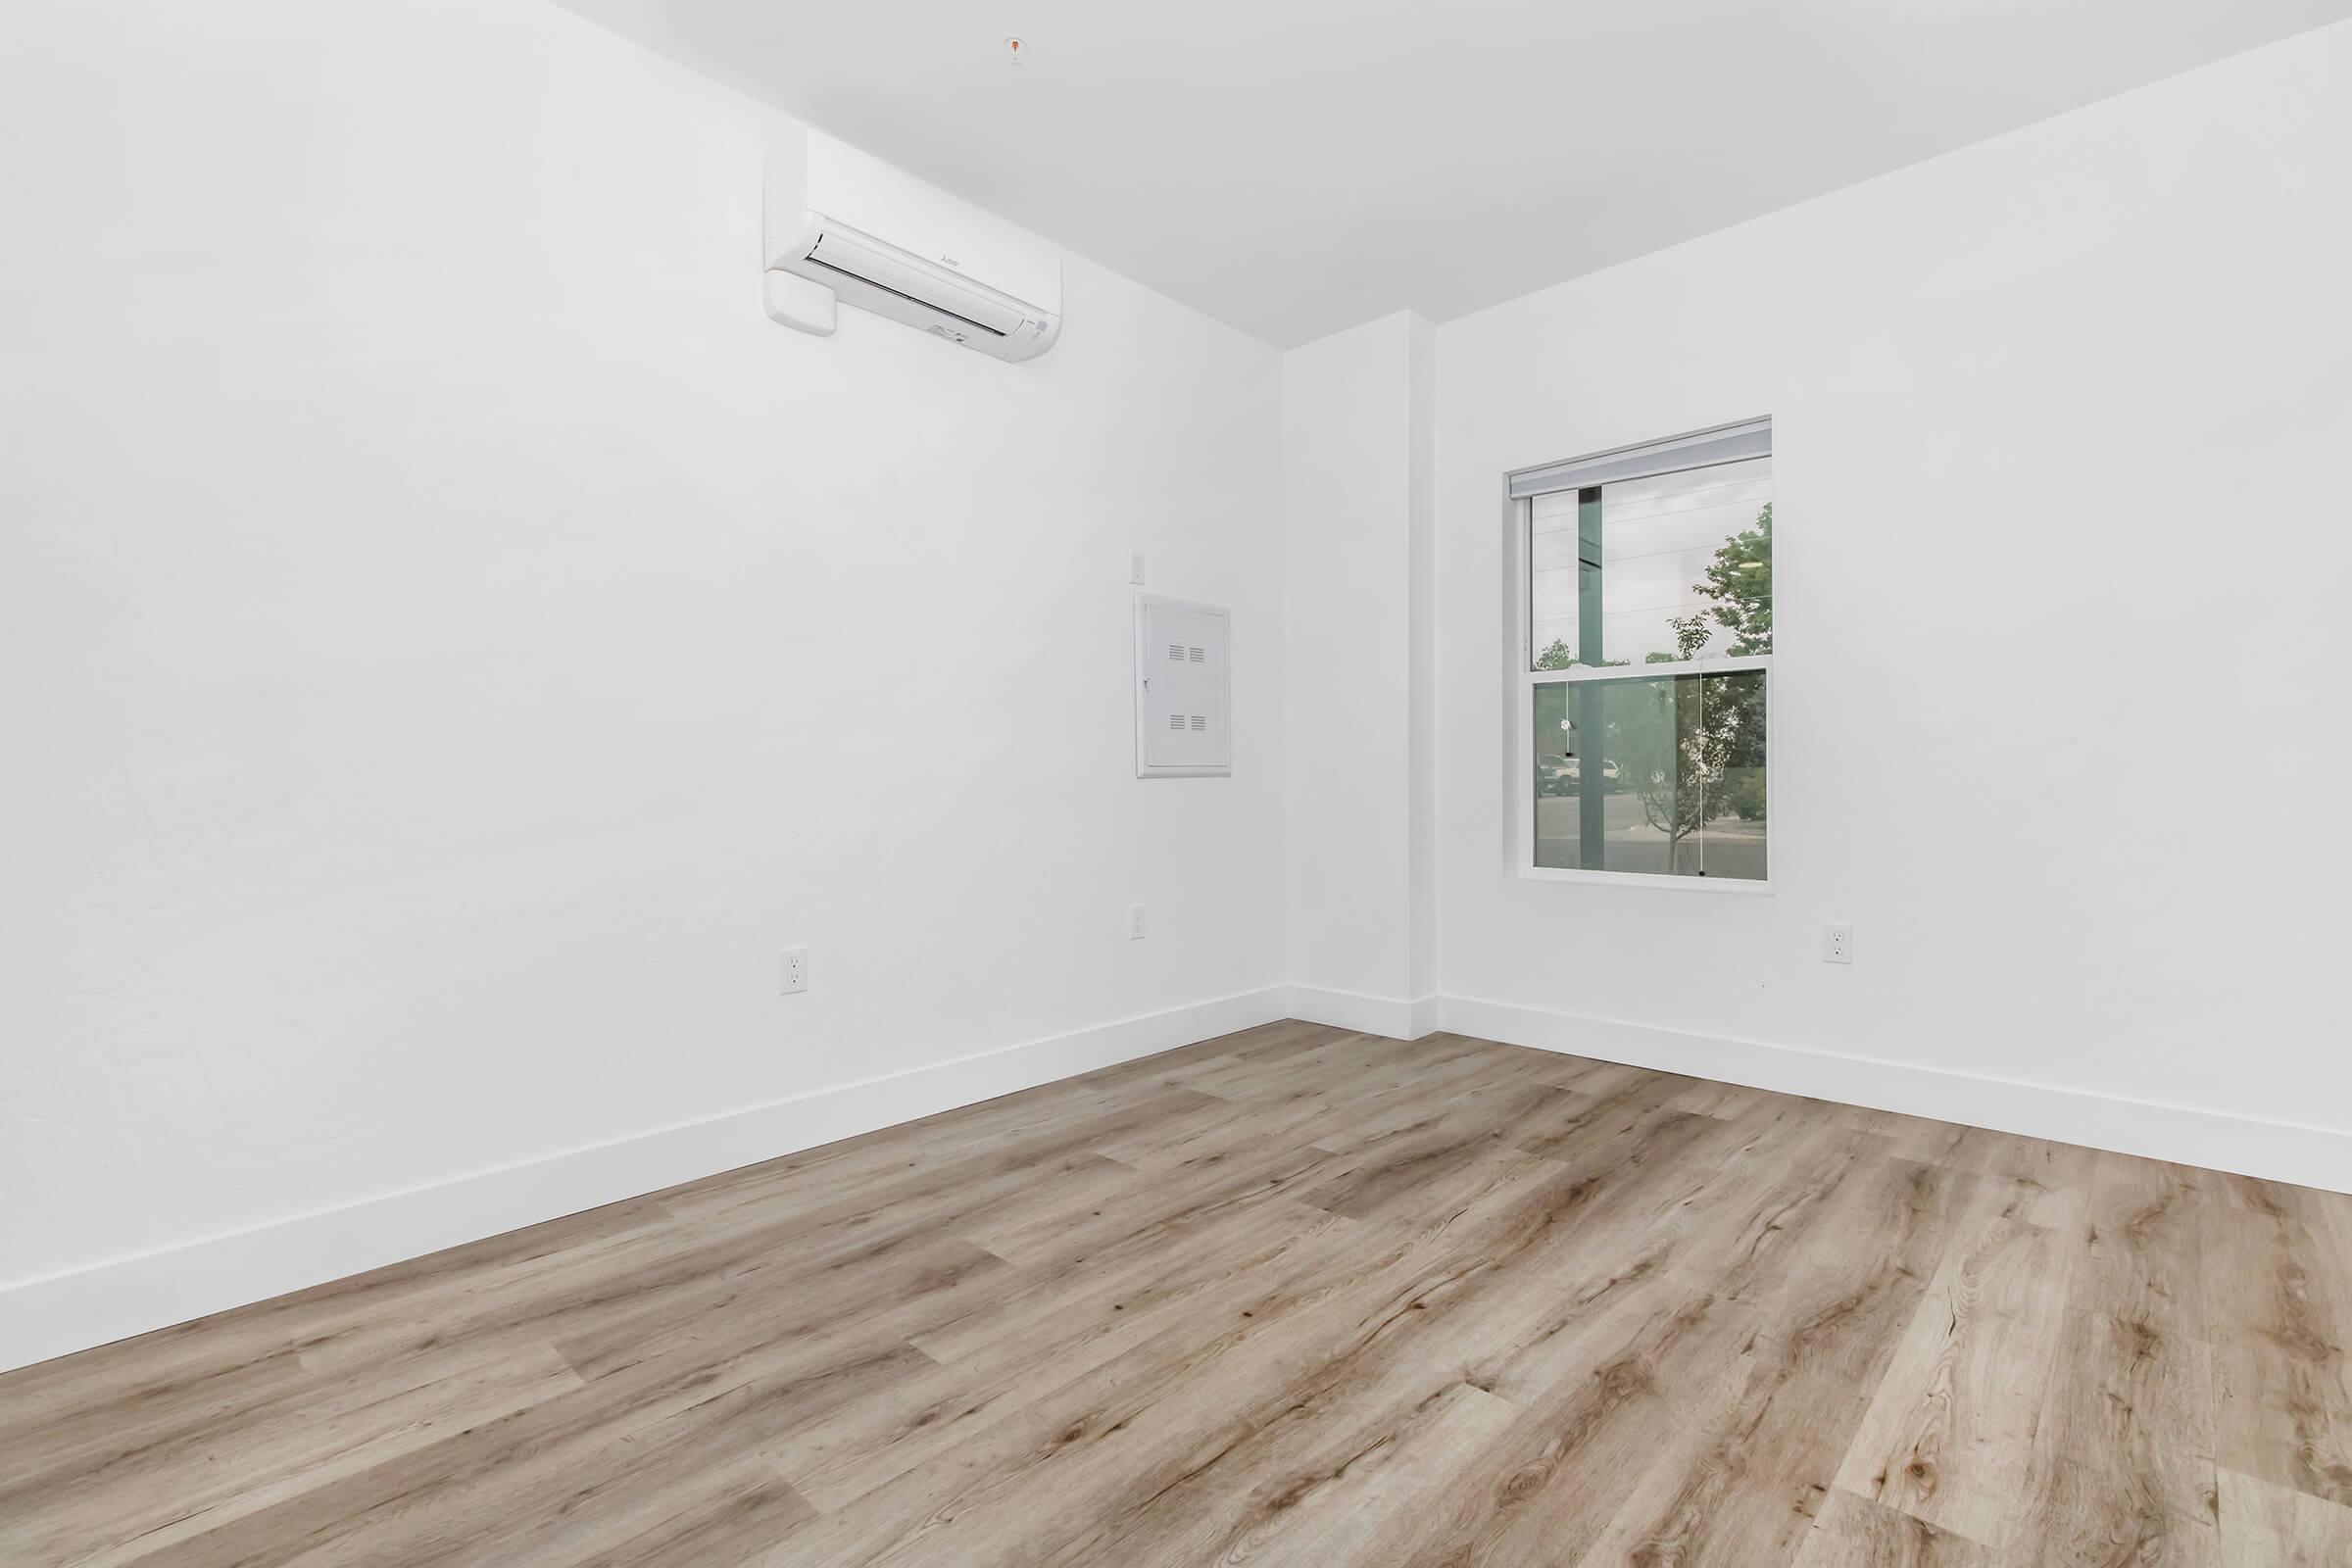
(449, 641)
(2061, 441)
(1358, 443)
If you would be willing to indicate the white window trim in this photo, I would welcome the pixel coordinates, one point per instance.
(1520, 514)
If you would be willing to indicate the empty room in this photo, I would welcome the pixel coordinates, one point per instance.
(1335, 786)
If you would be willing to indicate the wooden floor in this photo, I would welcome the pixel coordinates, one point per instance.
(1290, 1296)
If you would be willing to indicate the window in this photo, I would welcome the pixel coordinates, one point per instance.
(1647, 658)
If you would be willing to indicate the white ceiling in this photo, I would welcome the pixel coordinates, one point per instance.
(1293, 166)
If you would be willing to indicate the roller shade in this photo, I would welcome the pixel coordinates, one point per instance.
(1726, 443)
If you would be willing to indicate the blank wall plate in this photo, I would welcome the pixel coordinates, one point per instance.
(1134, 922)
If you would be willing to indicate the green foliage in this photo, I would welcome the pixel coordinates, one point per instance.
(1743, 792)
(1690, 634)
(1740, 582)
(1672, 783)
(1559, 655)
(1714, 762)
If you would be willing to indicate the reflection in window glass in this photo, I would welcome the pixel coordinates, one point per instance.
(1556, 572)
(1658, 775)
(1641, 571)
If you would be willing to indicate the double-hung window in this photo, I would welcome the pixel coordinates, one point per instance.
(1646, 661)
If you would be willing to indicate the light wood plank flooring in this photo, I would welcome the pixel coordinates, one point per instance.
(1292, 1296)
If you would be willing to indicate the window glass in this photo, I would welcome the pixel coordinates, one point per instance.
(1674, 566)
(1658, 775)
(1554, 574)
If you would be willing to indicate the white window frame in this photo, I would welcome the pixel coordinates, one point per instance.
(1519, 514)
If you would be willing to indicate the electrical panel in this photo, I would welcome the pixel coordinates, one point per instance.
(1183, 689)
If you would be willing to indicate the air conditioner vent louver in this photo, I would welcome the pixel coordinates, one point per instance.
(847, 260)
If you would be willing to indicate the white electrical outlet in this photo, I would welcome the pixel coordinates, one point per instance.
(1134, 922)
(795, 970)
(1836, 944)
(1135, 574)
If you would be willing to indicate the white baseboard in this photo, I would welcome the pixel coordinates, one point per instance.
(2286, 1152)
(1392, 1016)
(72, 1311)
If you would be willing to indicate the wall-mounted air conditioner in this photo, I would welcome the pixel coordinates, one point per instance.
(842, 223)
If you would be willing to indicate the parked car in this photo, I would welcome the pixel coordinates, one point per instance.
(1610, 772)
(1561, 775)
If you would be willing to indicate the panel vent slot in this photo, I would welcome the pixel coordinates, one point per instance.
(1176, 651)
(1199, 722)
(1175, 722)
(1200, 656)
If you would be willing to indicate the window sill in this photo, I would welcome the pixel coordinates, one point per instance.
(1647, 879)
